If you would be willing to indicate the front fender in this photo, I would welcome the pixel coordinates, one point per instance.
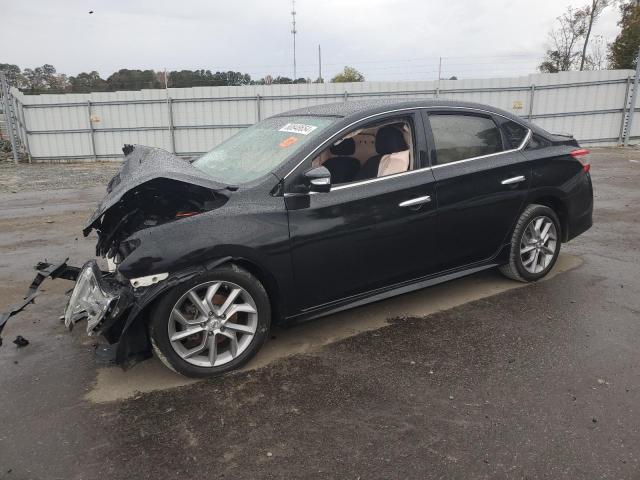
(133, 342)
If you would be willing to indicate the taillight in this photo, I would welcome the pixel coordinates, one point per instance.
(582, 154)
(186, 214)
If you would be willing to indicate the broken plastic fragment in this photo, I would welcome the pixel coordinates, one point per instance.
(20, 341)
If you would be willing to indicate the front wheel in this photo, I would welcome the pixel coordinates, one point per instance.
(535, 244)
(211, 324)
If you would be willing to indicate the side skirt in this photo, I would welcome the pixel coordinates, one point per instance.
(374, 296)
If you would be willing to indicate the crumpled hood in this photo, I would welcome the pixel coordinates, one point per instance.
(141, 165)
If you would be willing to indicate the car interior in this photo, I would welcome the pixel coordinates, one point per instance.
(370, 152)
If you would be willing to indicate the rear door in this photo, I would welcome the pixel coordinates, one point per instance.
(481, 182)
(364, 235)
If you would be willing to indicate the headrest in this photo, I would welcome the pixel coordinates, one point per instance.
(390, 140)
(345, 148)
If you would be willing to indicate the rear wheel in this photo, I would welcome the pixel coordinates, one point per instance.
(535, 244)
(211, 324)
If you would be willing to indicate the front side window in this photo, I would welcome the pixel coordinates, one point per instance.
(257, 150)
(374, 150)
(458, 137)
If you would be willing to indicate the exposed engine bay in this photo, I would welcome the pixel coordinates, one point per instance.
(153, 203)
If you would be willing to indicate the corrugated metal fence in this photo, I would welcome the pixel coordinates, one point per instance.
(590, 105)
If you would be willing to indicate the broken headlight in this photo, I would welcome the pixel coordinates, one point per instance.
(89, 299)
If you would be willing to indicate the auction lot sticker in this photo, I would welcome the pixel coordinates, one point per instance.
(299, 128)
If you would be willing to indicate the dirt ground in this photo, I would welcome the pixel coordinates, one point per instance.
(477, 378)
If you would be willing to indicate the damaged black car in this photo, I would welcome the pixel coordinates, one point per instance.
(315, 211)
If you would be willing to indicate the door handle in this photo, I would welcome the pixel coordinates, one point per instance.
(512, 180)
(415, 201)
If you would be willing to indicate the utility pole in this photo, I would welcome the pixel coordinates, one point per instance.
(294, 32)
(319, 64)
(439, 77)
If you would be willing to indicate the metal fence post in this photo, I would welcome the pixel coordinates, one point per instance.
(171, 126)
(23, 124)
(532, 94)
(258, 112)
(624, 110)
(8, 117)
(346, 96)
(632, 106)
(91, 131)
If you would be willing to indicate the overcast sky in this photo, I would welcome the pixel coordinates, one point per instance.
(385, 39)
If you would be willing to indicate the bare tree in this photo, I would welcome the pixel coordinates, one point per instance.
(591, 13)
(563, 53)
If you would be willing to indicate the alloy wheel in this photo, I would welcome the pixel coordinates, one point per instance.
(213, 323)
(538, 244)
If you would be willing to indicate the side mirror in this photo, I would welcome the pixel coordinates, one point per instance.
(318, 179)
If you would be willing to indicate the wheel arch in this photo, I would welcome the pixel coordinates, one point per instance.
(267, 280)
(559, 207)
(133, 341)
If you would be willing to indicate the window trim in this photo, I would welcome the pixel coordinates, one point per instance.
(501, 124)
(395, 175)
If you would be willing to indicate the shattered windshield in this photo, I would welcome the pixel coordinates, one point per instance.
(255, 151)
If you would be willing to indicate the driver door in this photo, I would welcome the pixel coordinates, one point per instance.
(363, 236)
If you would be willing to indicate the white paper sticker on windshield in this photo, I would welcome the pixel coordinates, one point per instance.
(300, 128)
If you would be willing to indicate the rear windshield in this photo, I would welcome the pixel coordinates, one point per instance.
(257, 150)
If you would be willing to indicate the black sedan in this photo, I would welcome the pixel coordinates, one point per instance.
(318, 210)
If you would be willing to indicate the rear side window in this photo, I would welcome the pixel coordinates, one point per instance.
(537, 142)
(514, 132)
(458, 137)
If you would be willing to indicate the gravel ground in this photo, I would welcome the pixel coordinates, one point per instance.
(25, 177)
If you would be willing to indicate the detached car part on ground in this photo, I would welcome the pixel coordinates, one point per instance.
(315, 211)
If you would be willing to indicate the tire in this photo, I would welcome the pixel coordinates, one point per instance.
(522, 266)
(199, 331)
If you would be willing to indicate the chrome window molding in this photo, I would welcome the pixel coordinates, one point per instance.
(377, 179)
(521, 147)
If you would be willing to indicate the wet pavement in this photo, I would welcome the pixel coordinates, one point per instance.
(477, 378)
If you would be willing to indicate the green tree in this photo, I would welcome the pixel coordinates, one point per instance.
(281, 80)
(13, 74)
(87, 82)
(230, 78)
(349, 74)
(623, 50)
(190, 78)
(126, 79)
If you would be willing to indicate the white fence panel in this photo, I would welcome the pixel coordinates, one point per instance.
(188, 121)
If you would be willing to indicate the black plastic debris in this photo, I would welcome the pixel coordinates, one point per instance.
(44, 270)
(4, 316)
(20, 341)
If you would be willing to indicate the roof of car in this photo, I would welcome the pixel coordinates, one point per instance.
(359, 108)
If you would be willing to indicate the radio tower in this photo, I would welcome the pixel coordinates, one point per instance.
(293, 32)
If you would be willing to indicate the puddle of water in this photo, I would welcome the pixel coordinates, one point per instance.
(113, 383)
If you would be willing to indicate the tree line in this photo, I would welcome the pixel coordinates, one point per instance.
(46, 79)
(571, 46)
